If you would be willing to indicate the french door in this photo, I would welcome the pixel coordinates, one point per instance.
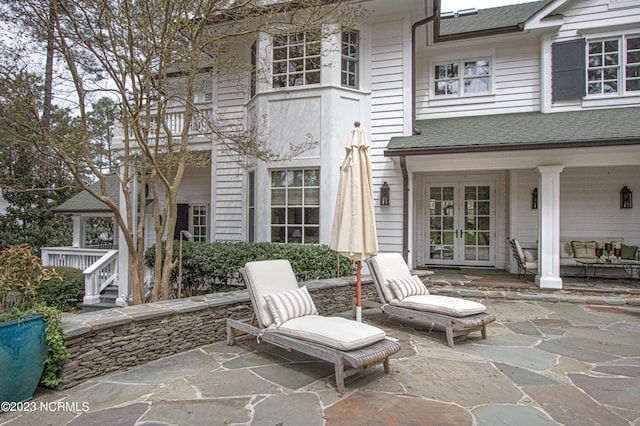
(459, 222)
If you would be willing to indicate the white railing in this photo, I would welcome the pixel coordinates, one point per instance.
(73, 257)
(100, 275)
(174, 120)
(199, 125)
(100, 267)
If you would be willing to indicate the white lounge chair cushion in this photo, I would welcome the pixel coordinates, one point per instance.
(408, 286)
(336, 332)
(290, 304)
(452, 306)
(389, 265)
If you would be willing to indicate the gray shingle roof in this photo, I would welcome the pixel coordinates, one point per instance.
(515, 131)
(83, 202)
(493, 18)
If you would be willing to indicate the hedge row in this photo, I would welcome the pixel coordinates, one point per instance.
(66, 293)
(207, 264)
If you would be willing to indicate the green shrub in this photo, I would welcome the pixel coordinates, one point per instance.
(65, 294)
(206, 265)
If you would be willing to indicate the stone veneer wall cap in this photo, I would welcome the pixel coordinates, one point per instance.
(184, 305)
(148, 311)
(75, 330)
(109, 322)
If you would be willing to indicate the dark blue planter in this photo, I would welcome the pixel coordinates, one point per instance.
(23, 349)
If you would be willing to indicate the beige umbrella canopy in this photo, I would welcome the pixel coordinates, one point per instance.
(354, 226)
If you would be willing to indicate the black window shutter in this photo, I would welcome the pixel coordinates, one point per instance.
(568, 69)
(182, 221)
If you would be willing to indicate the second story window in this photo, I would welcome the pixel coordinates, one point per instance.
(350, 58)
(254, 69)
(613, 66)
(462, 77)
(296, 59)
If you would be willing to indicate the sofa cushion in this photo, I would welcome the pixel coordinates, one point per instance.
(567, 250)
(584, 249)
(290, 304)
(628, 252)
(409, 286)
(336, 332)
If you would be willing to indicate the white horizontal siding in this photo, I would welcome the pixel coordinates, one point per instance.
(228, 214)
(516, 82)
(590, 14)
(388, 115)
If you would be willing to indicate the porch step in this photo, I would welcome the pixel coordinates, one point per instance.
(107, 300)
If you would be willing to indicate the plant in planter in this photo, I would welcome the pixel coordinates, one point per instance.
(31, 335)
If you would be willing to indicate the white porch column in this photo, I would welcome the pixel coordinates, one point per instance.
(79, 231)
(549, 227)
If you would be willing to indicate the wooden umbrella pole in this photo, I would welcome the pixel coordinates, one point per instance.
(358, 292)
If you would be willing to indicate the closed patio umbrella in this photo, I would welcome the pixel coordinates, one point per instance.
(354, 226)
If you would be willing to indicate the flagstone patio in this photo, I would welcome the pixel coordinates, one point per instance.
(544, 363)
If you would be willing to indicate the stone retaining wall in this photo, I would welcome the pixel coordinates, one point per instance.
(114, 339)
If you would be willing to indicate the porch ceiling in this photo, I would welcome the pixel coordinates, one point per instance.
(520, 131)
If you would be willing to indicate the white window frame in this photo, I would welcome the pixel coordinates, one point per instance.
(350, 56)
(621, 66)
(460, 78)
(200, 227)
(287, 204)
(299, 60)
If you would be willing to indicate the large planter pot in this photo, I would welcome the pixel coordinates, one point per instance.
(23, 349)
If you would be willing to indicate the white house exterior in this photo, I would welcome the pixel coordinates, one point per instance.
(463, 108)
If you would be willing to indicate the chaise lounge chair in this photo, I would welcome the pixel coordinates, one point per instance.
(404, 295)
(288, 318)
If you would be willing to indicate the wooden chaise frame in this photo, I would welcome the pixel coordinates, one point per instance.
(451, 325)
(346, 363)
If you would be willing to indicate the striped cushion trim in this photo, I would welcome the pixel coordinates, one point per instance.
(405, 287)
(290, 304)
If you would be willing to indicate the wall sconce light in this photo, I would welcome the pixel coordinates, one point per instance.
(626, 198)
(384, 194)
(534, 199)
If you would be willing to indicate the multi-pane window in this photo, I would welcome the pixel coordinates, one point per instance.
(350, 57)
(463, 77)
(613, 65)
(296, 59)
(254, 69)
(603, 67)
(251, 214)
(199, 222)
(295, 206)
(632, 66)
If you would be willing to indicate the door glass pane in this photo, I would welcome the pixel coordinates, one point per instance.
(442, 213)
(483, 253)
(477, 223)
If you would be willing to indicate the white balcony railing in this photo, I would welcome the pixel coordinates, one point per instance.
(200, 125)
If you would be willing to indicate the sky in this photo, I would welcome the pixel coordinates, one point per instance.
(455, 5)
